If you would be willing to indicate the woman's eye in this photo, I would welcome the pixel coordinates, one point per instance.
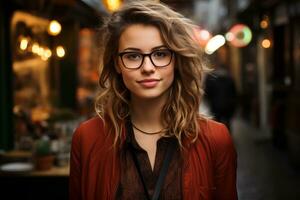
(160, 54)
(133, 56)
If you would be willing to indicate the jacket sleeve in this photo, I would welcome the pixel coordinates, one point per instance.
(75, 167)
(225, 166)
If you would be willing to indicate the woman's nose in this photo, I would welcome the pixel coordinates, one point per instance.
(147, 65)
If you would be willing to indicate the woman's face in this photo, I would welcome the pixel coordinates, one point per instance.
(147, 81)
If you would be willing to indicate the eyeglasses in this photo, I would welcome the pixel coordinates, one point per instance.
(134, 60)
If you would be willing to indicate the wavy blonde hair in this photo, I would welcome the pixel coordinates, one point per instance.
(181, 111)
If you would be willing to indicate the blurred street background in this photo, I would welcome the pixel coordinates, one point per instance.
(49, 77)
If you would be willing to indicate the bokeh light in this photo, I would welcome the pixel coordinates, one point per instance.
(214, 43)
(264, 24)
(239, 35)
(266, 43)
(24, 43)
(60, 51)
(202, 36)
(112, 5)
(54, 28)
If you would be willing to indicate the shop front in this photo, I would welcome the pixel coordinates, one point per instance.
(49, 73)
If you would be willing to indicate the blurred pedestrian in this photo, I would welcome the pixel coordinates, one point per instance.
(220, 91)
(148, 140)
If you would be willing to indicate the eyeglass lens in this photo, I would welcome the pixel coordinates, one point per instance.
(159, 58)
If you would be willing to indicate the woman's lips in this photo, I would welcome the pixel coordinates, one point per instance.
(149, 83)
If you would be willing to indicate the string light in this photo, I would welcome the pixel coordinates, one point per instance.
(24, 44)
(54, 28)
(35, 48)
(40, 51)
(47, 53)
(60, 51)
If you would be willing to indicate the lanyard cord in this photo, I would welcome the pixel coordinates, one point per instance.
(136, 163)
(162, 173)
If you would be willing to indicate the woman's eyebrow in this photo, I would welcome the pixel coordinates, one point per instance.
(137, 49)
(131, 49)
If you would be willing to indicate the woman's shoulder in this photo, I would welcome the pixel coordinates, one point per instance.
(89, 134)
(216, 134)
(94, 122)
(90, 129)
(210, 126)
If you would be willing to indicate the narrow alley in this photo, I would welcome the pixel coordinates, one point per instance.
(264, 172)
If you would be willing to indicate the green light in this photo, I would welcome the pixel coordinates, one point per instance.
(239, 35)
(247, 35)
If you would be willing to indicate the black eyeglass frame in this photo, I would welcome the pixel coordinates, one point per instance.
(144, 55)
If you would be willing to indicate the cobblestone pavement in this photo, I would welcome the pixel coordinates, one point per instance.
(264, 172)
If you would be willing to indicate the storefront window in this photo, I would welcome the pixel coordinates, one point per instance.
(31, 54)
(45, 75)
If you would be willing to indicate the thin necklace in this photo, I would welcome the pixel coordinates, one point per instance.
(147, 133)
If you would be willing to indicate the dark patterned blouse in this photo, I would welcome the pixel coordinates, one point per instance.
(131, 187)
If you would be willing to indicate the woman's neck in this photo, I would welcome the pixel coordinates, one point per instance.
(146, 113)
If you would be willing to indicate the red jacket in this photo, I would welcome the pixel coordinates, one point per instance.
(209, 170)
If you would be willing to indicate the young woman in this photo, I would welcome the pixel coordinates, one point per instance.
(148, 140)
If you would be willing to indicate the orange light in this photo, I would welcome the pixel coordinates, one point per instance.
(266, 43)
(35, 48)
(112, 5)
(264, 24)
